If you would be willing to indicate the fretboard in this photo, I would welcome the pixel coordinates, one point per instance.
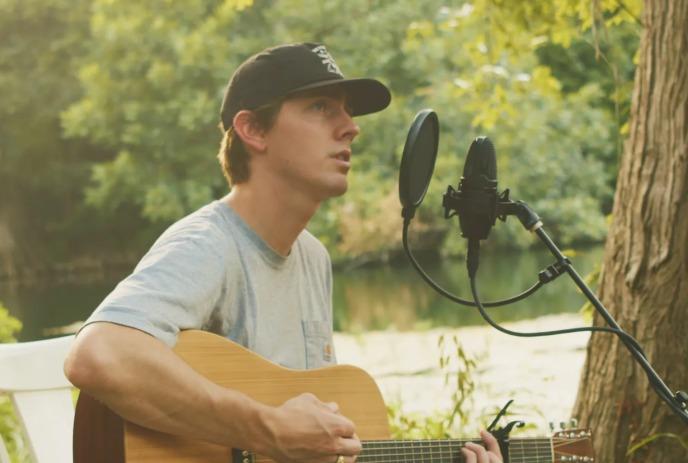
(528, 450)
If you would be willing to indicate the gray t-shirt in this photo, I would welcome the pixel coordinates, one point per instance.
(211, 271)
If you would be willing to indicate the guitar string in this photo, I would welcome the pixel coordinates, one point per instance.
(423, 444)
(545, 443)
(511, 452)
(420, 446)
(387, 443)
(418, 458)
(513, 446)
(529, 439)
(441, 456)
(516, 455)
(520, 451)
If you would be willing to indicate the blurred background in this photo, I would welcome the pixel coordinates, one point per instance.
(109, 114)
(108, 134)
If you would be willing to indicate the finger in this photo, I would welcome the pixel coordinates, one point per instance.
(469, 456)
(355, 436)
(332, 406)
(309, 396)
(336, 459)
(479, 451)
(349, 447)
(491, 443)
(342, 427)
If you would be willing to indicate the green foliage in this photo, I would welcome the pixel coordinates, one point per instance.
(487, 84)
(459, 370)
(672, 438)
(138, 87)
(42, 173)
(152, 80)
(10, 433)
(9, 427)
(9, 326)
(39, 44)
(460, 381)
(592, 279)
(415, 425)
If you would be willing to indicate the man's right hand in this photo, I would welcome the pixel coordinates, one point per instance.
(304, 429)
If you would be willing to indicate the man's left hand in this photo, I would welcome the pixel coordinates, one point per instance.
(474, 453)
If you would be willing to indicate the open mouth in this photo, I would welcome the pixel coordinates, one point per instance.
(344, 155)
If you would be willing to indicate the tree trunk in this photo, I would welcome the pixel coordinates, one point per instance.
(644, 281)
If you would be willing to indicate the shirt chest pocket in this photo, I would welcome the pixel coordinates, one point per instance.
(319, 348)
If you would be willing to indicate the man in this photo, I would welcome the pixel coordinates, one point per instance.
(243, 267)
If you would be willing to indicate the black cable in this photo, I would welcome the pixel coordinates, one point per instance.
(449, 295)
(676, 403)
(481, 305)
(669, 399)
(486, 317)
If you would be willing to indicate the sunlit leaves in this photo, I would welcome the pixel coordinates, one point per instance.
(484, 78)
(152, 85)
(154, 79)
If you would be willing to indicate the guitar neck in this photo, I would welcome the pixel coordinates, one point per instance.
(528, 450)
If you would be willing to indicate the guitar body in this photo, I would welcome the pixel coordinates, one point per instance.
(100, 435)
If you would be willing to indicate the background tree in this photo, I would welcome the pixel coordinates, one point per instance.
(644, 280)
(38, 168)
(137, 87)
(44, 220)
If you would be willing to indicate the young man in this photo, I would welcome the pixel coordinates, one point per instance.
(243, 267)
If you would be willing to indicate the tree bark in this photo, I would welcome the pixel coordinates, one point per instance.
(644, 280)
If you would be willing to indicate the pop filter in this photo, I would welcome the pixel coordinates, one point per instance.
(418, 160)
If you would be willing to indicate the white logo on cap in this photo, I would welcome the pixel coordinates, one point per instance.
(327, 59)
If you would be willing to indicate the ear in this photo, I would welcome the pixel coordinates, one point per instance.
(250, 133)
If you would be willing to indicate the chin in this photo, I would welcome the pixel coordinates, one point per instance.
(338, 190)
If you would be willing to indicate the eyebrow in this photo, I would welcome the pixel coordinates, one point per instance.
(327, 92)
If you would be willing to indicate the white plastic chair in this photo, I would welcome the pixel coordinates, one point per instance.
(31, 374)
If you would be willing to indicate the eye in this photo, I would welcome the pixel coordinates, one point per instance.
(320, 105)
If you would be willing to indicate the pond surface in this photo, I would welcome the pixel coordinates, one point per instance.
(365, 299)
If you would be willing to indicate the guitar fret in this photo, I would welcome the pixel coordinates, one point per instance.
(528, 450)
(412, 451)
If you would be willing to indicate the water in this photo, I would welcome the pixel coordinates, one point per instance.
(389, 297)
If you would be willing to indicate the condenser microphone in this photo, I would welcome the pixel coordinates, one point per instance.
(478, 191)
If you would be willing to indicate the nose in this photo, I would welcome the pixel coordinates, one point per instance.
(348, 127)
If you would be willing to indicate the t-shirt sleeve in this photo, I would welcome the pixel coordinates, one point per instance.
(174, 287)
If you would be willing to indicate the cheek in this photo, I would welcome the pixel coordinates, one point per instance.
(298, 140)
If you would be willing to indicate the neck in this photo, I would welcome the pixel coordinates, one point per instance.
(528, 450)
(276, 217)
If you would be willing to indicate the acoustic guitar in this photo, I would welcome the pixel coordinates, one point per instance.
(102, 436)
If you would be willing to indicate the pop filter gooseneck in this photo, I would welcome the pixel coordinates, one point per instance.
(418, 161)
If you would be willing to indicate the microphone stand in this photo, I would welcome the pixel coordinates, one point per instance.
(503, 207)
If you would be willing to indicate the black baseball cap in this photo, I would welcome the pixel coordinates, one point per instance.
(284, 70)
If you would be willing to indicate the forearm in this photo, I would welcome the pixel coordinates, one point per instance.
(143, 381)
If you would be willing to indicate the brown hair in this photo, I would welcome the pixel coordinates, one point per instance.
(233, 156)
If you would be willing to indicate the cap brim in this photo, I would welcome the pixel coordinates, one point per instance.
(365, 96)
